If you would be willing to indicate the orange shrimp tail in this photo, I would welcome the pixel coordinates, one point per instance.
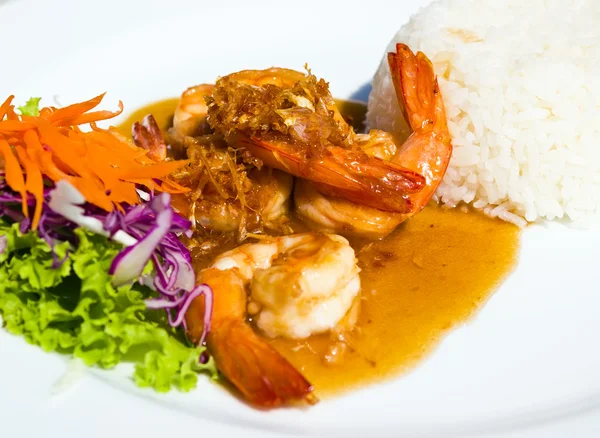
(428, 150)
(417, 89)
(347, 173)
(147, 135)
(264, 377)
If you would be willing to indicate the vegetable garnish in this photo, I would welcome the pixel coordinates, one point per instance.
(101, 164)
(149, 232)
(76, 310)
(101, 248)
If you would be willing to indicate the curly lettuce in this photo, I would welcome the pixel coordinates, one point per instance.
(74, 309)
(31, 107)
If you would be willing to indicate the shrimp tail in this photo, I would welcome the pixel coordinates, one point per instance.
(429, 148)
(418, 91)
(264, 377)
(147, 135)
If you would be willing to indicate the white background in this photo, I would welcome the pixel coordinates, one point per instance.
(528, 365)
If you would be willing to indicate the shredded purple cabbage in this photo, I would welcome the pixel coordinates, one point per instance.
(155, 226)
(149, 231)
(51, 228)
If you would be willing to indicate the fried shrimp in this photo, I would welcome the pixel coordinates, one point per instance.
(190, 114)
(427, 151)
(226, 194)
(357, 184)
(300, 284)
(293, 286)
(299, 130)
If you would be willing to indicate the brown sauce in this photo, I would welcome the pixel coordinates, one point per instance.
(162, 111)
(429, 276)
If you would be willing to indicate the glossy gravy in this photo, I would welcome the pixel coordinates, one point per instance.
(162, 111)
(431, 275)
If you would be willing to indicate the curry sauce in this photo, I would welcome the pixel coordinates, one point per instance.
(429, 276)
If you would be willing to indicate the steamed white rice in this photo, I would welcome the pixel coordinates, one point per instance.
(521, 86)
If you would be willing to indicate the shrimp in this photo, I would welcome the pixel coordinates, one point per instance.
(256, 197)
(190, 114)
(266, 201)
(298, 285)
(264, 377)
(333, 214)
(299, 130)
(275, 189)
(282, 77)
(279, 97)
(260, 195)
(353, 184)
(427, 151)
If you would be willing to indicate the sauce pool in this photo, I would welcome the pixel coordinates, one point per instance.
(429, 276)
(162, 111)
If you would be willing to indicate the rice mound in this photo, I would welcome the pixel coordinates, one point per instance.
(521, 86)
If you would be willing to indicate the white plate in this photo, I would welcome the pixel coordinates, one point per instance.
(528, 365)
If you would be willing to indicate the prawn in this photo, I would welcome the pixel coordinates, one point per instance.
(266, 196)
(189, 118)
(286, 100)
(427, 151)
(267, 192)
(356, 184)
(298, 285)
(190, 114)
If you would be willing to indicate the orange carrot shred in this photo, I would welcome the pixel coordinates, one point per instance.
(11, 114)
(158, 170)
(104, 166)
(46, 112)
(13, 173)
(75, 110)
(97, 116)
(34, 182)
(4, 107)
(7, 126)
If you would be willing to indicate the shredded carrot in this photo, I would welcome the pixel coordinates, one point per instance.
(4, 107)
(97, 116)
(158, 170)
(14, 175)
(34, 182)
(172, 187)
(72, 111)
(105, 167)
(15, 125)
(11, 114)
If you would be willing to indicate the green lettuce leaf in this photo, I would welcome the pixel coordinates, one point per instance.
(75, 310)
(31, 107)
